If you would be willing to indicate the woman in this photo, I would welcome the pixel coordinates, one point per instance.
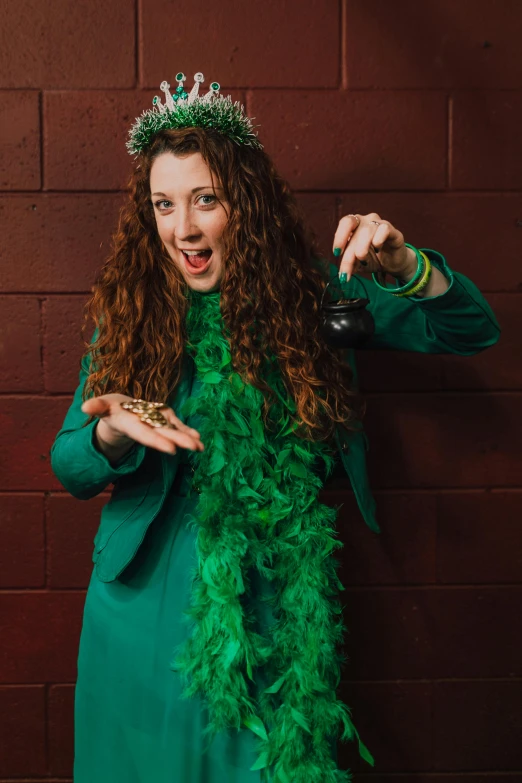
(211, 624)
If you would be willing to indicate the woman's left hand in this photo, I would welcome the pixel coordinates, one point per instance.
(358, 235)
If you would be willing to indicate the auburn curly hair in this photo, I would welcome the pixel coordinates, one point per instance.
(272, 277)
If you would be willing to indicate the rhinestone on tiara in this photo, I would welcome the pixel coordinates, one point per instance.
(187, 110)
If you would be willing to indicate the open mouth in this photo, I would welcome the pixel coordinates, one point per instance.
(197, 263)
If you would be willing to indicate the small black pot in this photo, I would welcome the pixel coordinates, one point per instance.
(346, 323)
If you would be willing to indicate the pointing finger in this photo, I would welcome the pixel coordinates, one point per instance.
(347, 225)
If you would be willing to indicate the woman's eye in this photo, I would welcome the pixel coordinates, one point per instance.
(207, 203)
(159, 204)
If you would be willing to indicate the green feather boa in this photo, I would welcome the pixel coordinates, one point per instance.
(258, 515)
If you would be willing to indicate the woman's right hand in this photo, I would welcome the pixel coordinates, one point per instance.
(118, 427)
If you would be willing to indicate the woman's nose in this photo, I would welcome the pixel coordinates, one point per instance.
(184, 226)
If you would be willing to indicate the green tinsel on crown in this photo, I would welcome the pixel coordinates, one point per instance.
(220, 114)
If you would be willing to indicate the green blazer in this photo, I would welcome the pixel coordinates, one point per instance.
(459, 321)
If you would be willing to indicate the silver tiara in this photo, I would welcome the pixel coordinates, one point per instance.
(187, 110)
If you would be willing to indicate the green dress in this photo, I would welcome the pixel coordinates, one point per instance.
(131, 723)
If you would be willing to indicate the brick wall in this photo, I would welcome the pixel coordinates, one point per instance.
(412, 110)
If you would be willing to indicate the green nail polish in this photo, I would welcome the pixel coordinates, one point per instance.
(337, 252)
(342, 277)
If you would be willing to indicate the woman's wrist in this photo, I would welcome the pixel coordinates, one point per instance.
(437, 283)
(410, 272)
(112, 448)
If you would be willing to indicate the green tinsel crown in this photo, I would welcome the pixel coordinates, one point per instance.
(183, 110)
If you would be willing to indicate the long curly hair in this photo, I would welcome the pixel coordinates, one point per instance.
(272, 278)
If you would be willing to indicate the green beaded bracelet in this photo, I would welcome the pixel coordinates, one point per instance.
(411, 283)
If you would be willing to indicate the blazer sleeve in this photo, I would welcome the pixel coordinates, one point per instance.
(458, 321)
(75, 460)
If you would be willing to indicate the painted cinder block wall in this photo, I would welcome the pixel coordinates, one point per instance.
(412, 110)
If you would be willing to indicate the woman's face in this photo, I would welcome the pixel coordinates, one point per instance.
(189, 217)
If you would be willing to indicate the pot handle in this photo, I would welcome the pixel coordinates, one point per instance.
(324, 291)
(374, 257)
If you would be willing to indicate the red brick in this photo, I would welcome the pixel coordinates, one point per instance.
(19, 140)
(320, 213)
(498, 367)
(476, 632)
(434, 633)
(29, 426)
(485, 140)
(448, 222)
(273, 45)
(447, 440)
(393, 721)
(85, 136)
(398, 371)
(404, 552)
(389, 634)
(72, 234)
(410, 142)
(477, 725)
(69, 47)
(64, 345)
(479, 538)
(61, 729)
(453, 53)
(22, 555)
(22, 728)
(71, 528)
(40, 633)
(20, 364)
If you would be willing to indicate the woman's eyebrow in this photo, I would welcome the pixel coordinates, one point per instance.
(194, 190)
